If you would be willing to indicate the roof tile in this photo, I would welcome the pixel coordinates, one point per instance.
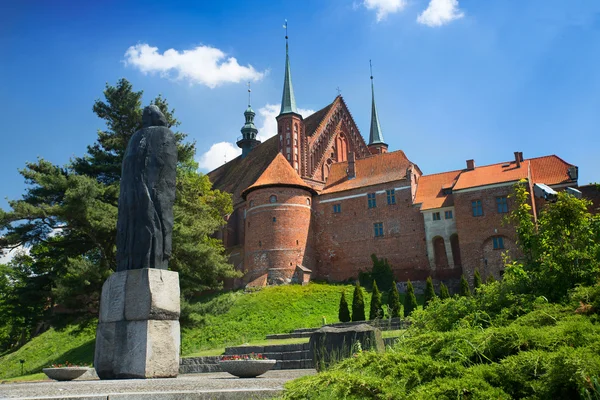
(278, 173)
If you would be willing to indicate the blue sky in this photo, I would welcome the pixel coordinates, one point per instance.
(453, 79)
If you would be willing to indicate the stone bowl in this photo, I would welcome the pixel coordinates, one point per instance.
(65, 373)
(246, 368)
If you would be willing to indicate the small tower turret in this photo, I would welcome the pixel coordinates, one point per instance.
(248, 139)
(376, 144)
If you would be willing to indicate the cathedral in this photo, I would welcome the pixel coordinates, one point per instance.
(316, 201)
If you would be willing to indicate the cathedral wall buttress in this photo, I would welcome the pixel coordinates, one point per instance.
(290, 130)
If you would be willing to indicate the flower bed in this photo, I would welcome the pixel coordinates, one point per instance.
(246, 365)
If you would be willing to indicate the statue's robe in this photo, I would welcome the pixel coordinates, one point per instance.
(145, 223)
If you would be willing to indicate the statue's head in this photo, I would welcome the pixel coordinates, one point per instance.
(152, 116)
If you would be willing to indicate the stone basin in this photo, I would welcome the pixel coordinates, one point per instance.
(65, 373)
(246, 368)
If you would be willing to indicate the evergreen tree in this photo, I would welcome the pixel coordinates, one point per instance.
(376, 310)
(358, 304)
(444, 293)
(464, 287)
(429, 292)
(476, 281)
(410, 301)
(394, 301)
(490, 279)
(344, 312)
(382, 272)
(68, 215)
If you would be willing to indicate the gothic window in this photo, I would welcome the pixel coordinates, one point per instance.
(308, 202)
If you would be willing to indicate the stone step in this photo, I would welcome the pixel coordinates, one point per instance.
(273, 348)
(290, 335)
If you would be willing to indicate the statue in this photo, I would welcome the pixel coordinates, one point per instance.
(145, 222)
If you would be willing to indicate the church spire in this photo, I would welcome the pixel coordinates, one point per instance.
(376, 143)
(288, 101)
(248, 139)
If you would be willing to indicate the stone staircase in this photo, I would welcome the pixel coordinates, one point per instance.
(288, 356)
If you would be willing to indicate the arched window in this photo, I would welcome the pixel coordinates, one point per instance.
(273, 199)
(308, 201)
(455, 250)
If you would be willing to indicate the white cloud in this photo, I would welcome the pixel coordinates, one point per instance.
(218, 154)
(440, 12)
(221, 152)
(384, 7)
(203, 65)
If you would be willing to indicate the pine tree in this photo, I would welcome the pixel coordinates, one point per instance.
(394, 301)
(344, 312)
(464, 287)
(376, 310)
(410, 301)
(358, 304)
(444, 293)
(476, 281)
(429, 292)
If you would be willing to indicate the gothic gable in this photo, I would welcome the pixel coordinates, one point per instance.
(331, 139)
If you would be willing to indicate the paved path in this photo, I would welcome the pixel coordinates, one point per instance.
(218, 385)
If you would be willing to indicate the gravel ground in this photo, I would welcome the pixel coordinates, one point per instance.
(219, 385)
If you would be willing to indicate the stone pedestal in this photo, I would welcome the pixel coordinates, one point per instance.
(138, 329)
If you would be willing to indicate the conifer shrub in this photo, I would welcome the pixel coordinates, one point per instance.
(490, 279)
(444, 293)
(376, 311)
(394, 301)
(464, 287)
(476, 281)
(410, 301)
(382, 273)
(344, 312)
(358, 304)
(429, 292)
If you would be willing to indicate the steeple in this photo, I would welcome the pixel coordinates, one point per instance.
(288, 101)
(248, 139)
(376, 144)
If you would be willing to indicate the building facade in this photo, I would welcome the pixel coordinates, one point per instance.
(316, 200)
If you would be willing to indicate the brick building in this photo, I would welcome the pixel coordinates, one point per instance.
(316, 200)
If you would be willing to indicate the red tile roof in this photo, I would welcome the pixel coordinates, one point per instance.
(382, 168)
(278, 173)
(239, 173)
(550, 170)
(430, 192)
(312, 122)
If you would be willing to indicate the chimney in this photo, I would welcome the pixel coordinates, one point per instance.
(518, 159)
(351, 172)
(470, 165)
(521, 156)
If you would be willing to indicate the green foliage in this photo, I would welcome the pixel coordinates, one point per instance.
(564, 250)
(376, 310)
(490, 279)
(429, 292)
(394, 302)
(68, 215)
(444, 293)
(358, 304)
(464, 287)
(410, 301)
(488, 347)
(344, 311)
(382, 273)
(477, 281)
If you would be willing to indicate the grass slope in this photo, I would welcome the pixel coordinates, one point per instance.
(52, 347)
(217, 321)
(235, 318)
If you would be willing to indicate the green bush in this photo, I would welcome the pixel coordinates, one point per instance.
(476, 280)
(376, 310)
(464, 287)
(358, 304)
(344, 312)
(410, 301)
(444, 293)
(394, 301)
(429, 292)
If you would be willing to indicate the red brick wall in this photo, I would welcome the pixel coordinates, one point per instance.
(475, 233)
(345, 241)
(283, 243)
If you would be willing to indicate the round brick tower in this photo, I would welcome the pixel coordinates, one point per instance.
(278, 217)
